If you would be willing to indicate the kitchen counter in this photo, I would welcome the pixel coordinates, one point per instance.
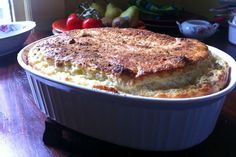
(22, 124)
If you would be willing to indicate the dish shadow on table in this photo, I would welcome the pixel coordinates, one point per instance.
(221, 143)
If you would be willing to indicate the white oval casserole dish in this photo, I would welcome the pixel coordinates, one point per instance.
(158, 124)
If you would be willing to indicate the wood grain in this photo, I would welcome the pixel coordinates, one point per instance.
(21, 122)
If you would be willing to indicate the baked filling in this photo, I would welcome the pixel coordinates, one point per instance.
(133, 61)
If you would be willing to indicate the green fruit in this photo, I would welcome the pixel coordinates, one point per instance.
(112, 11)
(99, 7)
(121, 22)
(132, 13)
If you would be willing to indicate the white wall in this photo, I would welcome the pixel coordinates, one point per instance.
(44, 12)
(18, 6)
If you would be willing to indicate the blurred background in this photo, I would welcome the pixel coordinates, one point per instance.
(44, 12)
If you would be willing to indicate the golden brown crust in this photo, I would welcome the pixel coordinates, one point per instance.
(124, 52)
(133, 61)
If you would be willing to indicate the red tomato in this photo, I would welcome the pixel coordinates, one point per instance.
(73, 22)
(91, 23)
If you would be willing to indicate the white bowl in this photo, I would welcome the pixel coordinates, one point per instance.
(158, 124)
(13, 35)
(199, 29)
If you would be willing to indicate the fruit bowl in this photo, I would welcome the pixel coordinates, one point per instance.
(13, 35)
(59, 26)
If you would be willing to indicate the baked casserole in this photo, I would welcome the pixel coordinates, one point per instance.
(132, 61)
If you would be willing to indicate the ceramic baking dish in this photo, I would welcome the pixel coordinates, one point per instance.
(158, 124)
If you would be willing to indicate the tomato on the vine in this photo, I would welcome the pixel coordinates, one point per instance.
(73, 22)
(91, 23)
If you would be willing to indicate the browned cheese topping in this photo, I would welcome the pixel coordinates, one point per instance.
(132, 61)
(130, 52)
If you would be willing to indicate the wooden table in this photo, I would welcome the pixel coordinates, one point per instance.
(22, 124)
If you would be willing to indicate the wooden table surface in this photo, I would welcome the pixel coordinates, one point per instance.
(22, 124)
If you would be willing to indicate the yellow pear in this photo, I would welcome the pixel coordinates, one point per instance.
(112, 11)
(132, 13)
